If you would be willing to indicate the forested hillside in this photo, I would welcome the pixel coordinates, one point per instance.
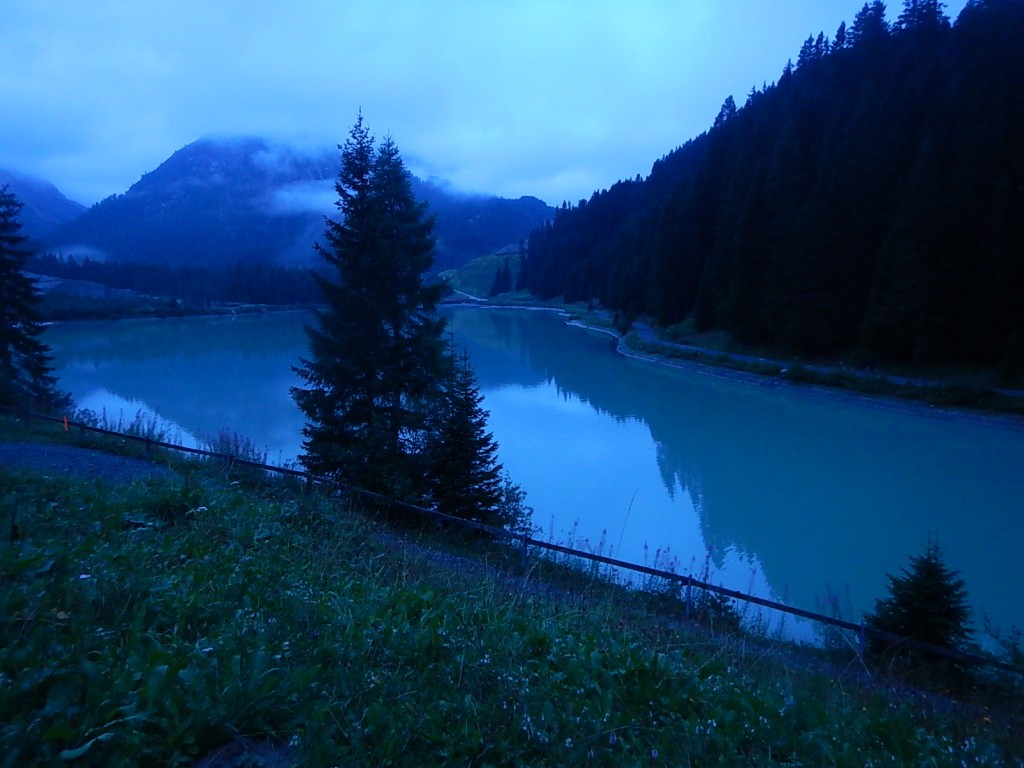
(870, 201)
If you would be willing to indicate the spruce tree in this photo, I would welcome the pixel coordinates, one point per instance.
(922, 15)
(927, 603)
(869, 25)
(727, 112)
(465, 480)
(502, 279)
(26, 375)
(376, 358)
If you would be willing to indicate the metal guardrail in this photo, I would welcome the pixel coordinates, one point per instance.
(525, 542)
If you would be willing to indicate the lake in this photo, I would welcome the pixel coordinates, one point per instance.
(801, 495)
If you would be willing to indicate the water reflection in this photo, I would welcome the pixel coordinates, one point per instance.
(825, 494)
(786, 493)
(204, 375)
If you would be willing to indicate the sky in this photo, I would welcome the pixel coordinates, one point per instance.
(550, 98)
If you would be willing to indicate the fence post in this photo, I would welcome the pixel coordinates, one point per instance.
(689, 594)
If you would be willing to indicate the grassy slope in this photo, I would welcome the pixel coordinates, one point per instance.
(477, 276)
(150, 623)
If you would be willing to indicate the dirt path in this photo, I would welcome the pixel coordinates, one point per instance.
(48, 458)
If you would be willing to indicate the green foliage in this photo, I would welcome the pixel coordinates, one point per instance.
(476, 277)
(502, 280)
(331, 634)
(926, 603)
(26, 375)
(513, 510)
(464, 476)
(146, 289)
(622, 323)
(376, 359)
(833, 211)
(284, 618)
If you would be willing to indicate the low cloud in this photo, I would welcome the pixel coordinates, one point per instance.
(303, 197)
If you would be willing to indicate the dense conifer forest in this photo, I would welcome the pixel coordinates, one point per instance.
(195, 285)
(870, 202)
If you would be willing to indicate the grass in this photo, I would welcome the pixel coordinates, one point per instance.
(981, 398)
(476, 277)
(153, 622)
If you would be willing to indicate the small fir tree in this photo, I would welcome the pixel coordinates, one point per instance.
(26, 374)
(465, 479)
(927, 603)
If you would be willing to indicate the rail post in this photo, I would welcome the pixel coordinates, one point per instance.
(689, 594)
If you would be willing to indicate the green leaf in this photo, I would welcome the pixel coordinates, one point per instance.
(73, 754)
(156, 682)
(59, 731)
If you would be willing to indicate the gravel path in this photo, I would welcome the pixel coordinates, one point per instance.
(71, 460)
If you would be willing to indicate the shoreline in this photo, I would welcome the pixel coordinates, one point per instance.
(703, 367)
(890, 402)
(962, 414)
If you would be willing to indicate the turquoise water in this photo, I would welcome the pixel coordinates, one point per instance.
(794, 494)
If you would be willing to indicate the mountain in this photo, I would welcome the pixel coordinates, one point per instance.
(217, 202)
(44, 208)
(468, 226)
(211, 203)
(868, 204)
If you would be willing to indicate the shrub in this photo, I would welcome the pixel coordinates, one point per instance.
(928, 604)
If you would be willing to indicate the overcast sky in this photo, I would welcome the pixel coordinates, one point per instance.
(552, 98)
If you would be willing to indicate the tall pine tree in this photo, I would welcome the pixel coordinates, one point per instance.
(376, 355)
(26, 375)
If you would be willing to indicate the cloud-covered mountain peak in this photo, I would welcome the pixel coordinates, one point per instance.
(224, 200)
